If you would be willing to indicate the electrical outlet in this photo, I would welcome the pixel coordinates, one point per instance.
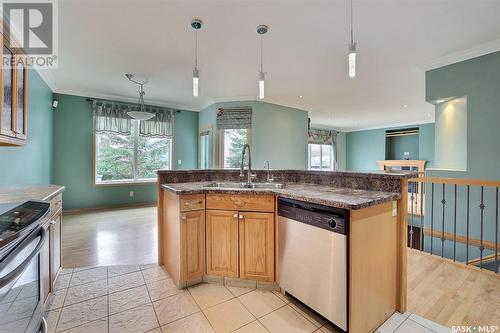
(394, 208)
(179, 162)
(131, 193)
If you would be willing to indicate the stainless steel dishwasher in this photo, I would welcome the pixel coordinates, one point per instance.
(313, 257)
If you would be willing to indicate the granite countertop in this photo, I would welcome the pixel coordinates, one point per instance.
(346, 198)
(22, 193)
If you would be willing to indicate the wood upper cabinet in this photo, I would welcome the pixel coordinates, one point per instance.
(13, 99)
(256, 245)
(193, 240)
(222, 243)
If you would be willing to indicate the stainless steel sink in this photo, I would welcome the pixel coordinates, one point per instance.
(229, 185)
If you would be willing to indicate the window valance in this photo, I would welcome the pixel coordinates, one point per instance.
(112, 117)
(234, 118)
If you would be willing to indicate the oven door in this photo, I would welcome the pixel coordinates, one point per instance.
(21, 308)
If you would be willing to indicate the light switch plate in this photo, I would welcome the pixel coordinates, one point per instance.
(179, 162)
(131, 193)
(394, 208)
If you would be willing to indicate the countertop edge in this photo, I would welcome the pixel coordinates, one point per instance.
(56, 192)
(337, 204)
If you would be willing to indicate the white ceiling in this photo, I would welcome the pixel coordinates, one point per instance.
(304, 53)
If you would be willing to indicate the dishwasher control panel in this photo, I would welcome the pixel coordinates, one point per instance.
(328, 218)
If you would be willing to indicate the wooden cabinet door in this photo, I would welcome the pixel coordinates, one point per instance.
(193, 243)
(55, 247)
(256, 244)
(222, 243)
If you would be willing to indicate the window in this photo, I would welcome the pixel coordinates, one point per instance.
(320, 157)
(232, 142)
(130, 157)
(205, 148)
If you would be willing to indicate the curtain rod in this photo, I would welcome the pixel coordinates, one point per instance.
(92, 100)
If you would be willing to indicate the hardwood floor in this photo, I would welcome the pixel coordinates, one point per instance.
(110, 237)
(452, 294)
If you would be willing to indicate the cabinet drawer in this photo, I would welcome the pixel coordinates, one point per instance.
(256, 203)
(192, 202)
(55, 204)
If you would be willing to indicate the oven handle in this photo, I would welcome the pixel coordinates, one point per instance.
(19, 269)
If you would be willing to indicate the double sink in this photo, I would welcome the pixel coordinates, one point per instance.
(229, 185)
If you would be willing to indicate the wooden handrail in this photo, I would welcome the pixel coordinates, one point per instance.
(457, 181)
(486, 259)
(460, 239)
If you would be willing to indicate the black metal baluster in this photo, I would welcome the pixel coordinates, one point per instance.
(412, 216)
(497, 268)
(443, 201)
(467, 239)
(455, 227)
(481, 248)
(432, 215)
(422, 216)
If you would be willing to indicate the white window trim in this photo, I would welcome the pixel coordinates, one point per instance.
(320, 157)
(136, 180)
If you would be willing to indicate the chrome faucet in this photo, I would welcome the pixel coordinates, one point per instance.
(242, 166)
(267, 166)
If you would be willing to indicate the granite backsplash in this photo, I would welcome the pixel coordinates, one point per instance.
(374, 181)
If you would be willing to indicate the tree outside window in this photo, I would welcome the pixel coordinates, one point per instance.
(233, 142)
(130, 158)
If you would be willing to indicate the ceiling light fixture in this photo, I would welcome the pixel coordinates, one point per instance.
(196, 24)
(140, 113)
(405, 105)
(300, 96)
(261, 30)
(352, 53)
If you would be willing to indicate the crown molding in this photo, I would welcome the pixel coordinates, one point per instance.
(255, 99)
(412, 123)
(125, 99)
(460, 56)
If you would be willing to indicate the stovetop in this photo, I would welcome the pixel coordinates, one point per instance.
(17, 220)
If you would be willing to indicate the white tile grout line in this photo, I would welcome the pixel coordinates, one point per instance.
(201, 310)
(187, 289)
(152, 304)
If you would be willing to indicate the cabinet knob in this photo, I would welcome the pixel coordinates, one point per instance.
(242, 217)
(183, 217)
(235, 216)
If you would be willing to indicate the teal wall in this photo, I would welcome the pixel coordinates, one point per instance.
(341, 151)
(365, 148)
(479, 80)
(32, 163)
(73, 156)
(279, 133)
(397, 146)
(186, 140)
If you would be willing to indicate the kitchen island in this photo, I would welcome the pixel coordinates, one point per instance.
(232, 235)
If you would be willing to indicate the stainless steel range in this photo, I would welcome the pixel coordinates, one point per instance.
(313, 257)
(21, 239)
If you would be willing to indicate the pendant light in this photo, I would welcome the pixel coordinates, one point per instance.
(352, 53)
(261, 30)
(140, 113)
(196, 24)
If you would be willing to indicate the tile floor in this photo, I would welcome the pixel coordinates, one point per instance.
(142, 299)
